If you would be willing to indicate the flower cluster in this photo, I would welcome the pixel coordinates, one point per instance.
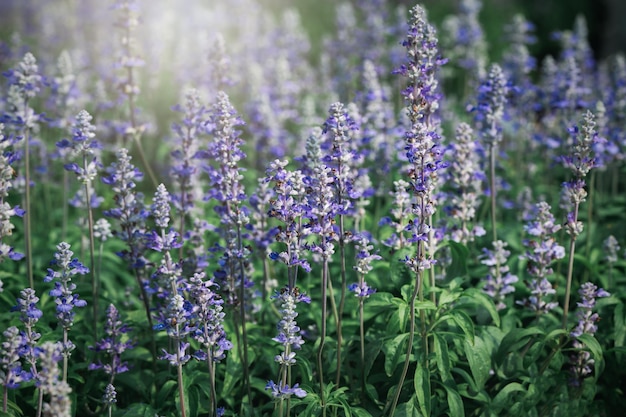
(7, 173)
(65, 299)
(581, 361)
(492, 96)
(129, 208)
(290, 338)
(466, 178)
(208, 311)
(499, 281)
(400, 211)
(11, 372)
(59, 404)
(24, 84)
(113, 345)
(541, 251)
(364, 258)
(83, 144)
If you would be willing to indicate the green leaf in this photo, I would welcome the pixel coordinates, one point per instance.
(139, 410)
(443, 358)
(462, 320)
(407, 409)
(372, 349)
(455, 402)
(479, 360)
(393, 350)
(360, 412)
(596, 350)
(460, 255)
(514, 340)
(233, 371)
(421, 381)
(476, 296)
(504, 398)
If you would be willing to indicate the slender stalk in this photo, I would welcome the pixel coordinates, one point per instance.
(242, 313)
(570, 271)
(212, 391)
(409, 350)
(65, 355)
(27, 213)
(320, 349)
(95, 281)
(362, 337)
(492, 186)
(342, 300)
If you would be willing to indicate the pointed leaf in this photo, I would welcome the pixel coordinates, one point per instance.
(479, 359)
(421, 381)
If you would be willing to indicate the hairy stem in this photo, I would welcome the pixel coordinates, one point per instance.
(570, 270)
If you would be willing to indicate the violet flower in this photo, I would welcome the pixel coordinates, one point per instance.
(499, 281)
(364, 259)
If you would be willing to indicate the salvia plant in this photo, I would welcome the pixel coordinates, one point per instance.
(402, 216)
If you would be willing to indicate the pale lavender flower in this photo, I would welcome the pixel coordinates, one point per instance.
(11, 372)
(58, 391)
(364, 259)
(129, 208)
(29, 315)
(466, 179)
(24, 85)
(7, 174)
(611, 248)
(290, 337)
(582, 362)
(492, 96)
(400, 211)
(499, 281)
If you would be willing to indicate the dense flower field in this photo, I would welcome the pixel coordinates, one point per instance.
(202, 214)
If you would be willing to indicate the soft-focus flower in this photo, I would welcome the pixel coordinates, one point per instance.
(499, 281)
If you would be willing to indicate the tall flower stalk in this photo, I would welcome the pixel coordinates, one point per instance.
(127, 20)
(580, 162)
(24, 84)
(226, 187)
(85, 146)
(209, 332)
(64, 296)
(321, 212)
(291, 340)
(7, 173)
(424, 154)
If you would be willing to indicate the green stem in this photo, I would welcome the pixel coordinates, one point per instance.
(492, 185)
(27, 213)
(570, 270)
(95, 282)
(320, 349)
(342, 300)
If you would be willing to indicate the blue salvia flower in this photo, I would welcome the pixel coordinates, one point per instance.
(83, 145)
(288, 207)
(492, 96)
(517, 61)
(499, 281)
(11, 372)
(63, 294)
(422, 148)
(208, 311)
(29, 316)
(185, 168)
(113, 345)
(177, 323)
(581, 361)
(129, 208)
(466, 43)
(319, 202)
(7, 174)
(290, 337)
(580, 162)
(57, 390)
(226, 187)
(466, 179)
(340, 155)
(542, 250)
(24, 85)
